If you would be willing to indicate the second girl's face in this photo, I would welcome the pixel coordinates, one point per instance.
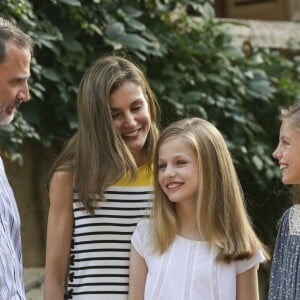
(178, 171)
(288, 153)
(130, 112)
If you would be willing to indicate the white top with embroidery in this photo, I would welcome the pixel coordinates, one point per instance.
(294, 220)
(188, 269)
(285, 275)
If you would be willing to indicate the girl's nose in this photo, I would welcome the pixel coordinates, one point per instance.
(170, 172)
(276, 153)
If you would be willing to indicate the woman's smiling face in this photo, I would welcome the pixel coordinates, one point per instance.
(131, 116)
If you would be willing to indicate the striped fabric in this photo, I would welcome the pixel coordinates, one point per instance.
(11, 280)
(99, 261)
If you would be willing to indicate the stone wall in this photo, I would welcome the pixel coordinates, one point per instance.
(280, 10)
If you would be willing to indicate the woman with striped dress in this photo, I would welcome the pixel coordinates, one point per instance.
(101, 184)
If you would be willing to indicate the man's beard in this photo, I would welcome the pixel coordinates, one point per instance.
(6, 118)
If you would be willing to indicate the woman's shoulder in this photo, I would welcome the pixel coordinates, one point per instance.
(61, 183)
(62, 176)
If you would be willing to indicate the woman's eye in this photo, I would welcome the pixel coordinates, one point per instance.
(181, 162)
(161, 166)
(115, 115)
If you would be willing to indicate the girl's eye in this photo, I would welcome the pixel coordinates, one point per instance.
(181, 162)
(136, 108)
(284, 142)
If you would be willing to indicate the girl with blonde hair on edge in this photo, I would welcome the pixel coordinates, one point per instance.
(198, 243)
(285, 275)
(101, 184)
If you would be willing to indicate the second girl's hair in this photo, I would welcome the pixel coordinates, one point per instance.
(220, 212)
(292, 113)
(97, 153)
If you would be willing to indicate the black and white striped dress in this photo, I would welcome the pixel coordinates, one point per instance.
(99, 257)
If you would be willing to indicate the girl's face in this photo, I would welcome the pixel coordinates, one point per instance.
(178, 171)
(288, 153)
(131, 116)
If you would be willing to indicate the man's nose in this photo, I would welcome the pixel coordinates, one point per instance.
(24, 94)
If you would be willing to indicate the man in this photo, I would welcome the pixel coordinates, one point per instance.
(15, 56)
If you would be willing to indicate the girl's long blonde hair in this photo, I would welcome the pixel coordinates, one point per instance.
(220, 211)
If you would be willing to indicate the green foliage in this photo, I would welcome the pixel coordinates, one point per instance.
(192, 63)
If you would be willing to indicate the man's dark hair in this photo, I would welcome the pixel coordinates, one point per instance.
(11, 33)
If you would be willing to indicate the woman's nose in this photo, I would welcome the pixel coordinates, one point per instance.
(129, 120)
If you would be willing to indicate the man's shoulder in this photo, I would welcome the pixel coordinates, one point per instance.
(1, 164)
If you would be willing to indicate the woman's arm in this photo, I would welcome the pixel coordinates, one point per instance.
(247, 285)
(59, 235)
(137, 275)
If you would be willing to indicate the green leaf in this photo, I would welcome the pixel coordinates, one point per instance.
(50, 74)
(217, 79)
(136, 25)
(133, 41)
(7, 128)
(165, 7)
(257, 162)
(97, 29)
(131, 11)
(262, 87)
(115, 30)
(192, 97)
(73, 45)
(71, 2)
(207, 11)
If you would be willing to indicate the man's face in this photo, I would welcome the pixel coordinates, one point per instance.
(14, 75)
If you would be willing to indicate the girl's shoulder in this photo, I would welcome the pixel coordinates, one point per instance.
(141, 238)
(254, 261)
(143, 231)
(293, 215)
(143, 226)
